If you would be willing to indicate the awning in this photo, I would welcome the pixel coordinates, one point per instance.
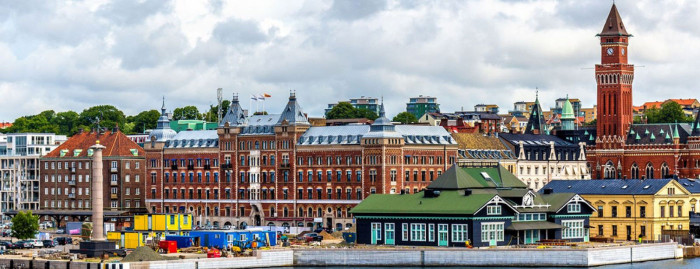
(533, 225)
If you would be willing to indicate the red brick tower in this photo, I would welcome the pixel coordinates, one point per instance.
(614, 78)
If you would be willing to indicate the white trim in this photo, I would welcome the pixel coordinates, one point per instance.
(203, 201)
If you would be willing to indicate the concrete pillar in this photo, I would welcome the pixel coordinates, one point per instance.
(97, 194)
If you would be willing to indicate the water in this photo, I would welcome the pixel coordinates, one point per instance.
(665, 264)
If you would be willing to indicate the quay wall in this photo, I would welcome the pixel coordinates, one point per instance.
(393, 257)
(486, 257)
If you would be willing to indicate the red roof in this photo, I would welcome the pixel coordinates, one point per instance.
(656, 104)
(4, 125)
(116, 145)
(684, 102)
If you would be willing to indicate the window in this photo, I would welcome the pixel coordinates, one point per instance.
(404, 231)
(459, 233)
(600, 211)
(600, 230)
(491, 231)
(670, 211)
(431, 232)
(614, 230)
(680, 211)
(493, 210)
(643, 212)
(573, 208)
(613, 211)
(643, 231)
(628, 211)
(573, 229)
(417, 231)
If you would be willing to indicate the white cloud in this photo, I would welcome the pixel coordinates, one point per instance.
(72, 55)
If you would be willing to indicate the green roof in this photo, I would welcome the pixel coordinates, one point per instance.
(456, 178)
(448, 202)
(567, 111)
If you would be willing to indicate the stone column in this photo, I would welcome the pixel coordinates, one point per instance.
(97, 194)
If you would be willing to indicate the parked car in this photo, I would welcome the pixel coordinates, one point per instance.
(50, 243)
(313, 237)
(36, 243)
(8, 244)
(6, 233)
(24, 244)
(64, 240)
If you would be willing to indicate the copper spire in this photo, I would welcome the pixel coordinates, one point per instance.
(613, 25)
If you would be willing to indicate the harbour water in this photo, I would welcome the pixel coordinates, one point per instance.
(665, 264)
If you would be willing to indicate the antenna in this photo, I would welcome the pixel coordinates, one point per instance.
(219, 96)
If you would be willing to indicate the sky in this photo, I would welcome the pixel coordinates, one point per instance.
(70, 55)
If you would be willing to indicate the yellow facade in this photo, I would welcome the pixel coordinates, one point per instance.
(627, 216)
(163, 222)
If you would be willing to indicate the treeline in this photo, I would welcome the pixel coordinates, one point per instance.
(107, 116)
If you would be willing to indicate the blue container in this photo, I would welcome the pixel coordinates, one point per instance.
(182, 241)
(349, 237)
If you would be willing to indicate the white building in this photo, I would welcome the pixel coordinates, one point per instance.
(19, 168)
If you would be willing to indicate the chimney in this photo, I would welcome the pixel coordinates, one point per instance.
(548, 191)
(467, 192)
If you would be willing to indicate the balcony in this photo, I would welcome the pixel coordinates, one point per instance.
(114, 196)
(71, 182)
(207, 167)
(113, 169)
(173, 167)
(71, 195)
(190, 167)
(284, 165)
(72, 170)
(113, 183)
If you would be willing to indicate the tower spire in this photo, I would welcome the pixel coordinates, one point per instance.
(613, 24)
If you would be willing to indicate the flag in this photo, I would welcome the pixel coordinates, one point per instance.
(261, 97)
(253, 97)
(266, 95)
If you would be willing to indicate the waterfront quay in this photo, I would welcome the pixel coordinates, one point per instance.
(397, 256)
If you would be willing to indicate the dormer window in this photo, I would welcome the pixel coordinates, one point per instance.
(573, 208)
(493, 210)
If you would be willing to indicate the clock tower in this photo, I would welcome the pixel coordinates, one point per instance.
(614, 77)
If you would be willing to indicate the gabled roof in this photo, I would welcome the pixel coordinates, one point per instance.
(658, 133)
(234, 116)
(292, 113)
(692, 185)
(696, 125)
(477, 141)
(448, 202)
(684, 102)
(456, 178)
(613, 24)
(608, 186)
(536, 122)
(116, 144)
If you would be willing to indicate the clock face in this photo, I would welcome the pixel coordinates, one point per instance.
(610, 51)
(623, 51)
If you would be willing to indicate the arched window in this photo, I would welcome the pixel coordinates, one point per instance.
(609, 171)
(634, 171)
(301, 212)
(649, 171)
(664, 170)
(285, 212)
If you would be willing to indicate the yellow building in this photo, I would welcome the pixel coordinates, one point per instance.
(163, 222)
(633, 208)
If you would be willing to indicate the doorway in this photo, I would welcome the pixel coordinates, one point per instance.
(376, 232)
(442, 235)
(389, 233)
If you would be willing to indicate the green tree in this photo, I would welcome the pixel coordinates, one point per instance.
(212, 116)
(24, 225)
(405, 117)
(67, 122)
(342, 110)
(186, 113)
(670, 112)
(108, 115)
(366, 113)
(144, 120)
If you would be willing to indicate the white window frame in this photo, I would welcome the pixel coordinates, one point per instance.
(418, 232)
(460, 233)
(572, 229)
(573, 208)
(431, 232)
(492, 227)
(404, 231)
(494, 210)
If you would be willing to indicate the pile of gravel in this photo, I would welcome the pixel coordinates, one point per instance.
(145, 254)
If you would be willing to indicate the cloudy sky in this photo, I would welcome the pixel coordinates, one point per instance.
(73, 54)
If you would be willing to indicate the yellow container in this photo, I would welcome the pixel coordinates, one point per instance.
(132, 240)
(158, 222)
(141, 223)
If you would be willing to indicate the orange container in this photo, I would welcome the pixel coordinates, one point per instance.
(213, 253)
(168, 246)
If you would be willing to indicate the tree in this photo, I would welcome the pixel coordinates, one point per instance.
(212, 116)
(144, 120)
(670, 112)
(24, 225)
(366, 113)
(67, 122)
(405, 117)
(186, 113)
(342, 110)
(108, 115)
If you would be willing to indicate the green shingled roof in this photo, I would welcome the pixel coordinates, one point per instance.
(457, 178)
(448, 202)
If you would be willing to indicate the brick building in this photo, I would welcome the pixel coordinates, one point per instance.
(65, 175)
(626, 150)
(278, 170)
